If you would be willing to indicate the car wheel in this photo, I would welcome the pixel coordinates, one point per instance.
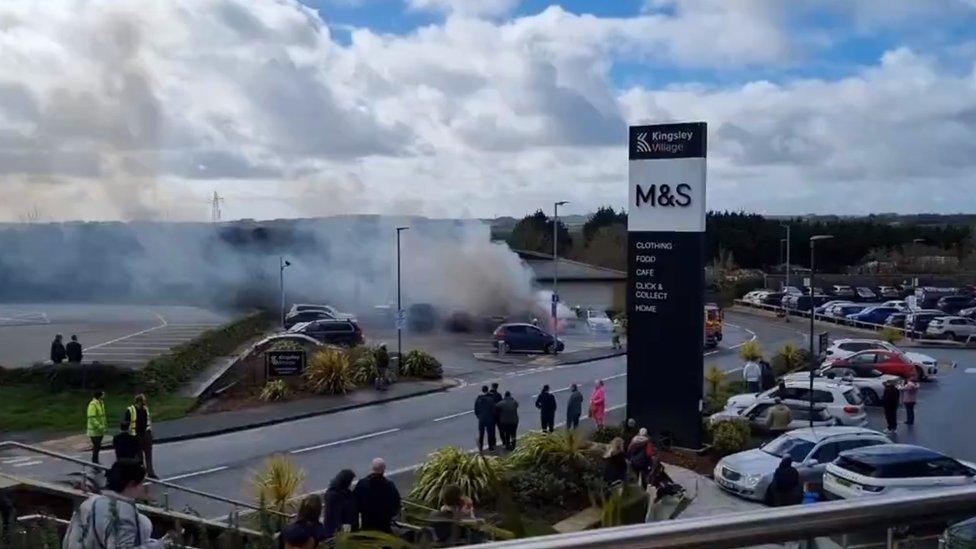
(502, 347)
(870, 397)
(919, 373)
(950, 336)
(547, 349)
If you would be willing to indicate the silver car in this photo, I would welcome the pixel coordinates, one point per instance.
(748, 474)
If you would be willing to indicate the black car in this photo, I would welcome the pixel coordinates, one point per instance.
(343, 332)
(421, 317)
(525, 337)
(952, 304)
(307, 315)
(773, 298)
(896, 320)
(917, 321)
(889, 292)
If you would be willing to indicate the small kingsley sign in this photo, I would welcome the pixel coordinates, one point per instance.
(284, 363)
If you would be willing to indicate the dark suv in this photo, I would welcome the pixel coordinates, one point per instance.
(344, 332)
(307, 315)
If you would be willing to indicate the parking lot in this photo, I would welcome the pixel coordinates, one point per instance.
(124, 335)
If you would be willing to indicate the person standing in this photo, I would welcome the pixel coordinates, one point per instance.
(779, 417)
(615, 463)
(574, 407)
(767, 377)
(484, 410)
(73, 350)
(96, 424)
(340, 510)
(508, 420)
(382, 357)
(909, 396)
(546, 403)
(785, 488)
(125, 444)
(58, 354)
(111, 519)
(889, 401)
(138, 421)
(752, 373)
(496, 397)
(598, 404)
(306, 530)
(377, 499)
(615, 332)
(640, 452)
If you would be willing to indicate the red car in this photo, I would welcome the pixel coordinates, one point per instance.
(887, 362)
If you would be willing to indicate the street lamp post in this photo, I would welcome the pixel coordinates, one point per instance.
(399, 317)
(787, 254)
(282, 263)
(915, 243)
(555, 273)
(813, 274)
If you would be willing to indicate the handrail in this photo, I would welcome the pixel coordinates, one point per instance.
(774, 525)
(58, 455)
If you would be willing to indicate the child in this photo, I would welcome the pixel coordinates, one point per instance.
(811, 492)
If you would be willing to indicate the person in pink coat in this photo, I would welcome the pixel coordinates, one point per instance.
(598, 404)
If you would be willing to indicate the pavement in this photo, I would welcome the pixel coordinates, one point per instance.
(123, 335)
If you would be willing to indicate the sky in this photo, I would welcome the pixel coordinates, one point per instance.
(129, 110)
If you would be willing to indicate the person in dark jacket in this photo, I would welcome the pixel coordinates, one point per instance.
(58, 354)
(767, 377)
(615, 463)
(306, 530)
(785, 487)
(340, 512)
(382, 357)
(546, 403)
(126, 444)
(377, 499)
(73, 350)
(890, 400)
(496, 397)
(574, 407)
(508, 419)
(484, 410)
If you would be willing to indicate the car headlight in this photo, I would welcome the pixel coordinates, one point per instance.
(753, 480)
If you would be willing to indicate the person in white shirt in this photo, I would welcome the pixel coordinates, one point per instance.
(752, 373)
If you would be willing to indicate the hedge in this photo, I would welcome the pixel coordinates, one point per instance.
(165, 373)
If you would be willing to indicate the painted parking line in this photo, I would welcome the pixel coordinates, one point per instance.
(162, 324)
(195, 473)
(970, 370)
(452, 416)
(344, 441)
(28, 463)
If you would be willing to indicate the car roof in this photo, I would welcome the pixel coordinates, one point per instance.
(892, 453)
(816, 434)
(858, 340)
(817, 383)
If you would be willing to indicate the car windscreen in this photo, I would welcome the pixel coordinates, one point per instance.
(853, 397)
(796, 448)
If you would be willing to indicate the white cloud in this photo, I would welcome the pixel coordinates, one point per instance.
(489, 8)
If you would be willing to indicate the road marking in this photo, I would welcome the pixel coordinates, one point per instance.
(970, 370)
(162, 324)
(17, 460)
(344, 441)
(452, 416)
(195, 473)
(28, 463)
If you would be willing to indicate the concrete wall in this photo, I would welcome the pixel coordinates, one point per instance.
(594, 294)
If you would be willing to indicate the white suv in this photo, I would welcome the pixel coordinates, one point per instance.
(843, 348)
(893, 469)
(842, 401)
(956, 328)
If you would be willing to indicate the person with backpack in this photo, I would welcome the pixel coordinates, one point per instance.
(640, 453)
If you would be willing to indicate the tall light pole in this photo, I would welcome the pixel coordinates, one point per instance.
(915, 243)
(400, 316)
(813, 273)
(787, 253)
(555, 273)
(282, 263)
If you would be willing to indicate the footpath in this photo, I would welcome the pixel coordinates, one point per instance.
(567, 357)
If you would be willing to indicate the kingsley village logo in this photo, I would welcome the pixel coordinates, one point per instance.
(662, 142)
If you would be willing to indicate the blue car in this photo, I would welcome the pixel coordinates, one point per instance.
(525, 337)
(873, 315)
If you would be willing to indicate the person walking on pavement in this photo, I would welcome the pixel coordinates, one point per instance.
(58, 354)
(598, 404)
(752, 373)
(138, 421)
(340, 510)
(785, 488)
(889, 401)
(382, 367)
(95, 428)
(546, 403)
(496, 397)
(574, 407)
(779, 417)
(909, 396)
(508, 420)
(73, 350)
(484, 410)
(377, 499)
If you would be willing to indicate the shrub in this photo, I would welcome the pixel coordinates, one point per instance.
(543, 488)
(788, 359)
(165, 373)
(274, 390)
(729, 436)
(891, 334)
(478, 476)
(277, 483)
(751, 350)
(329, 373)
(605, 434)
(563, 449)
(715, 379)
(72, 376)
(362, 360)
(422, 365)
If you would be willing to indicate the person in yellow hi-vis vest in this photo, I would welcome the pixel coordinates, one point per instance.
(95, 427)
(138, 421)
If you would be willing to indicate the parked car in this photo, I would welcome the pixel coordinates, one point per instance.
(872, 315)
(597, 321)
(889, 292)
(748, 474)
(840, 290)
(773, 298)
(791, 290)
(822, 309)
(755, 296)
(952, 304)
(893, 469)
(757, 414)
(308, 315)
(865, 294)
(955, 328)
(299, 307)
(927, 297)
(896, 320)
(899, 304)
(867, 380)
(841, 311)
(842, 401)
(421, 317)
(968, 313)
(331, 331)
(802, 302)
(918, 320)
(927, 366)
(888, 362)
(524, 337)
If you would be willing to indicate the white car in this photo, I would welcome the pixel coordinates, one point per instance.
(842, 401)
(899, 304)
(868, 381)
(843, 348)
(754, 296)
(597, 321)
(956, 328)
(894, 469)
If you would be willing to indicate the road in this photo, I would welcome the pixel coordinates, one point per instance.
(404, 432)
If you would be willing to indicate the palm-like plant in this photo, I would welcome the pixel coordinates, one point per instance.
(479, 477)
(714, 377)
(788, 359)
(751, 350)
(278, 482)
(362, 360)
(274, 390)
(561, 450)
(420, 364)
(329, 372)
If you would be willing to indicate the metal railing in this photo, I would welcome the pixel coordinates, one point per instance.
(888, 518)
(236, 504)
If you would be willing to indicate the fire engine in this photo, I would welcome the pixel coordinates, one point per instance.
(713, 325)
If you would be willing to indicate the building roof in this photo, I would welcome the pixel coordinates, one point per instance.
(543, 267)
